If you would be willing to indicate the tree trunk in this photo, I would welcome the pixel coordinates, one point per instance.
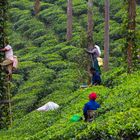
(90, 24)
(131, 33)
(5, 112)
(69, 20)
(90, 42)
(37, 6)
(106, 37)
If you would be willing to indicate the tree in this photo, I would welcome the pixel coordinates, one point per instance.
(90, 34)
(5, 113)
(106, 36)
(131, 33)
(69, 20)
(37, 6)
(90, 24)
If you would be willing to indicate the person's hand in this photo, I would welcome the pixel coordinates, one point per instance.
(86, 50)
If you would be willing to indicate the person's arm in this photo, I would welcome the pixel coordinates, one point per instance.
(4, 49)
(92, 51)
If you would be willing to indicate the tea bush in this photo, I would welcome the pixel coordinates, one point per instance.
(15, 14)
(35, 86)
(49, 15)
(38, 33)
(80, 9)
(45, 5)
(53, 70)
(22, 5)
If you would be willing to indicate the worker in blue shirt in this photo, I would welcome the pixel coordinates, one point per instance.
(91, 105)
(96, 79)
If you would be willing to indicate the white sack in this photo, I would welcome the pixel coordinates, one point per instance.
(48, 106)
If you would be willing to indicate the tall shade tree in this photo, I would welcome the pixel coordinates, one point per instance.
(37, 6)
(90, 33)
(131, 33)
(5, 116)
(69, 20)
(90, 24)
(106, 37)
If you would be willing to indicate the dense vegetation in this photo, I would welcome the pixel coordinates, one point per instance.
(5, 116)
(52, 69)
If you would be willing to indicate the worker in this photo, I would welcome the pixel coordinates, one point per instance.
(95, 53)
(9, 58)
(90, 107)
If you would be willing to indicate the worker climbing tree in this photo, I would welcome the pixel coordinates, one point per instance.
(5, 105)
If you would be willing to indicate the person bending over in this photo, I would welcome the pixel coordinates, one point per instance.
(90, 107)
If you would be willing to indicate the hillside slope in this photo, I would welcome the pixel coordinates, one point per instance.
(118, 117)
(52, 69)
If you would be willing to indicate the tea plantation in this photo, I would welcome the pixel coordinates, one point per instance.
(52, 69)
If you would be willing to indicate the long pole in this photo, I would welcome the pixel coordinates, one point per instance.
(9, 98)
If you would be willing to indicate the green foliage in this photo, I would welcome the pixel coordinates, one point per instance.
(17, 80)
(5, 116)
(113, 126)
(35, 87)
(15, 14)
(79, 9)
(79, 56)
(22, 5)
(111, 76)
(45, 5)
(53, 71)
(65, 50)
(41, 40)
(116, 119)
(49, 15)
(58, 65)
(36, 34)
